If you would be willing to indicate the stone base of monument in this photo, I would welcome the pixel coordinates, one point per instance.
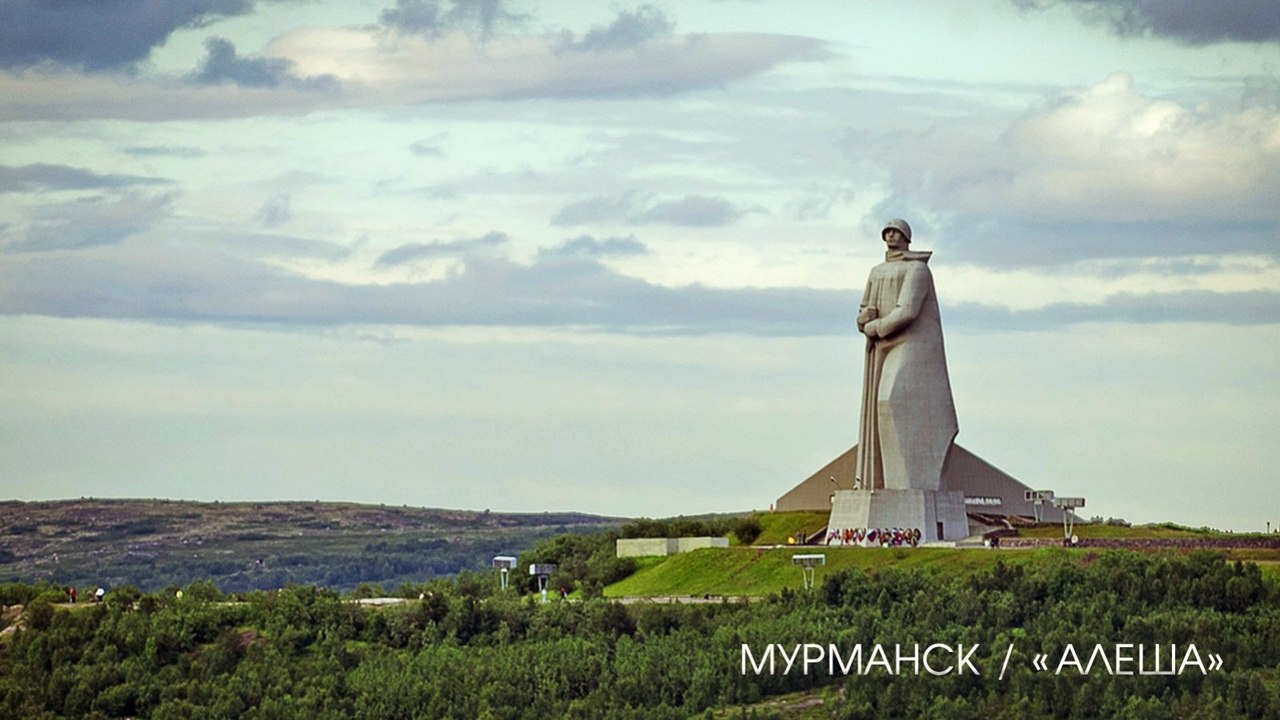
(873, 518)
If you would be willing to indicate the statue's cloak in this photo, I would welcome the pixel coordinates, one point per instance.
(908, 417)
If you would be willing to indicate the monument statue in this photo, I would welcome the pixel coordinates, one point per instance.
(906, 481)
(908, 418)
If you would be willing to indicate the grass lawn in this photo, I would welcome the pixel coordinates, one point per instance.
(760, 571)
(1140, 532)
(776, 527)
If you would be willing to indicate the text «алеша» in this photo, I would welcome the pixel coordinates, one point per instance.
(944, 659)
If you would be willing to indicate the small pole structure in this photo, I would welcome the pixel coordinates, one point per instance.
(1066, 505)
(1037, 499)
(807, 564)
(504, 563)
(542, 571)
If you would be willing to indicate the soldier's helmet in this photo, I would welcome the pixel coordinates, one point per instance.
(900, 225)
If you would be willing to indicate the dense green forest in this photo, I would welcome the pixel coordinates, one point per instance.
(463, 649)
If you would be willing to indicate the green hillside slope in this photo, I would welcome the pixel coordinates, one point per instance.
(759, 571)
(243, 546)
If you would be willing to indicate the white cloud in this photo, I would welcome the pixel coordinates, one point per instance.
(1115, 154)
(369, 66)
(1099, 172)
(415, 69)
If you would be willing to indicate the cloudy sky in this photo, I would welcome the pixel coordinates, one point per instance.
(606, 256)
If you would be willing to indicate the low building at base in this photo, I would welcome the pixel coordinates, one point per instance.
(985, 489)
(913, 516)
(649, 547)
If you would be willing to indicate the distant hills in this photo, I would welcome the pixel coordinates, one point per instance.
(153, 544)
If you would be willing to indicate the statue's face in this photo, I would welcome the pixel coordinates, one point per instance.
(894, 238)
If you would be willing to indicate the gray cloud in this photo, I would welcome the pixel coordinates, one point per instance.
(272, 245)
(415, 17)
(586, 246)
(41, 177)
(596, 209)
(162, 151)
(98, 34)
(1016, 237)
(168, 283)
(690, 210)
(1011, 241)
(223, 65)
(455, 248)
(1255, 307)
(1192, 22)
(275, 211)
(425, 150)
(432, 19)
(93, 222)
(483, 16)
(630, 208)
(630, 29)
(429, 147)
(175, 284)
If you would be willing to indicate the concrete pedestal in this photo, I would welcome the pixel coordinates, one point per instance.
(863, 517)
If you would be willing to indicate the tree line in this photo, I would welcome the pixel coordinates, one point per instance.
(462, 648)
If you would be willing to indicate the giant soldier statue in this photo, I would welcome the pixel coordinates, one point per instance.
(908, 418)
(906, 480)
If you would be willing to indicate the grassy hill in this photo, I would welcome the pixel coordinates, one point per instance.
(757, 571)
(1104, 531)
(777, 527)
(240, 546)
(760, 571)
(153, 544)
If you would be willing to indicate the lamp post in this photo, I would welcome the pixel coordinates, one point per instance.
(1037, 499)
(504, 563)
(1066, 505)
(807, 564)
(542, 571)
